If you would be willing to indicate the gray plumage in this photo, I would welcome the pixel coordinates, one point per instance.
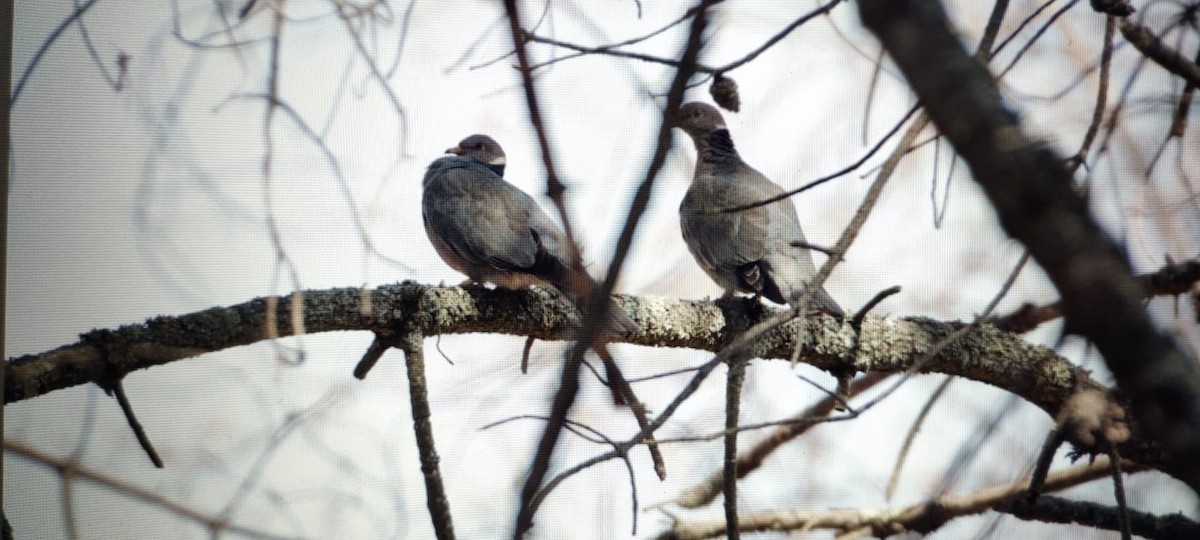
(748, 251)
(493, 232)
(486, 228)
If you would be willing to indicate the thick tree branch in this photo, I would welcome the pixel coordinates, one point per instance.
(1033, 193)
(886, 345)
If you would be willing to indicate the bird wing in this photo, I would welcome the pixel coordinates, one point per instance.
(786, 268)
(484, 219)
(727, 244)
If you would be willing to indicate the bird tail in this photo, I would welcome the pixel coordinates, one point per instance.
(579, 287)
(826, 303)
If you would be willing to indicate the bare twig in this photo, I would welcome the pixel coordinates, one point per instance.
(621, 386)
(336, 167)
(912, 436)
(1036, 36)
(138, 431)
(374, 352)
(1154, 49)
(1110, 26)
(751, 459)
(45, 46)
(736, 375)
(412, 342)
(857, 320)
(1119, 490)
(116, 83)
(922, 517)
(72, 469)
(691, 12)
(697, 68)
(844, 171)
(568, 387)
(344, 14)
(1041, 467)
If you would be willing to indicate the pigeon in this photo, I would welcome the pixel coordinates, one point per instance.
(749, 251)
(490, 230)
(493, 232)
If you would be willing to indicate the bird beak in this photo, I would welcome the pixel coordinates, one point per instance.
(455, 150)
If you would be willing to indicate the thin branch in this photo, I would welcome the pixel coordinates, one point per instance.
(272, 103)
(844, 171)
(984, 50)
(820, 10)
(377, 74)
(735, 376)
(138, 431)
(912, 436)
(698, 68)
(336, 167)
(412, 342)
(1036, 36)
(923, 517)
(116, 83)
(45, 46)
(1110, 26)
(73, 469)
(621, 386)
(1020, 26)
(564, 397)
(750, 460)
(1149, 44)
(554, 187)
(1045, 458)
(1119, 486)
(691, 12)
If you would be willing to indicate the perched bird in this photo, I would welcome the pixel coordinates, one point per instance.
(493, 232)
(747, 251)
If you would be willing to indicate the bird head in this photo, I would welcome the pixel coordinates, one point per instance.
(480, 148)
(698, 119)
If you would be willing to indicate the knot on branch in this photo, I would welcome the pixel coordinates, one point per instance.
(114, 355)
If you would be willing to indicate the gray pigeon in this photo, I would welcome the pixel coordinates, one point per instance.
(493, 232)
(747, 251)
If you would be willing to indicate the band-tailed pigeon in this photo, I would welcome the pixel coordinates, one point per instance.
(488, 229)
(751, 250)
(493, 232)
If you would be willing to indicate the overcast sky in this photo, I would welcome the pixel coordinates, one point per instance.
(150, 201)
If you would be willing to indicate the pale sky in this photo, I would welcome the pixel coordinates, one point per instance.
(150, 201)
